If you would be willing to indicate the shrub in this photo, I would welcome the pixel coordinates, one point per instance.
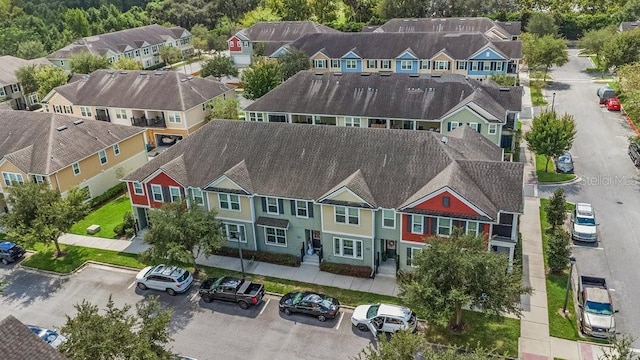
(345, 269)
(119, 229)
(108, 195)
(558, 251)
(404, 276)
(262, 256)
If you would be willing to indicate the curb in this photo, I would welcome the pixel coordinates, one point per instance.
(568, 182)
(633, 126)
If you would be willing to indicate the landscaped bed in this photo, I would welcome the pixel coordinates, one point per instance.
(550, 176)
(108, 217)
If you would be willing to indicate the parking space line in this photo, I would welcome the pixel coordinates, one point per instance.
(340, 321)
(193, 297)
(587, 247)
(264, 307)
(130, 286)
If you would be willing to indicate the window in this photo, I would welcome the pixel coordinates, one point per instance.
(12, 178)
(33, 99)
(461, 65)
(174, 117)
(454, 125)
(385, 64)
(352, 121)
(46, 108)
(85, 111)
(474, 65)
(446, 201)
(229, 202)
(38, 179)
(473, 227)
(272, 205)
(441, 65)
(388, 219)
(493, 129)
(345, 215)
(444, 227)
(156, 193)
(137, 188)
(204, 107)
(145, 51)
(198, 196)
(256, 116)
(411, 253)
(351, 64)
(137, 52)
(320, 63)
(235, 232)
(15, 88)
(335, 63)
(474, 126)
(424, 64)
(499, 66)
(174, 193)
(301, 209)
(275, 236)
(347, 248)
(116, 149)
(121, 114)
(76, 169)
(406, 65)
(86, 192)
(103, 157)
(2, 93)
(417, 224)
(372, 64)
(57, 109)
(68, 109)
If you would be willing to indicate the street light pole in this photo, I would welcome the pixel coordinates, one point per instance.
(553, 101)
(236, 237)
(572, 261)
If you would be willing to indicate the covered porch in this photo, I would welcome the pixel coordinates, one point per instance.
(146, 118)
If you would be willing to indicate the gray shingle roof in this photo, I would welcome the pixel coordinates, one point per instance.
(31, 141)
(9, 65)
(391, 95)
(374, 45)
(20, 343)
(153, 90)
(474, 24)
(306, 162)
(117, 41)
(283, 31)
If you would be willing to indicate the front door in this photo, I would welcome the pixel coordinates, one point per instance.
(391, 248)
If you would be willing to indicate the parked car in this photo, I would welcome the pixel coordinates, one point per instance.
(10, 252)
(383, 318)
(583, 223)
(596, 307)
(241, 291)
(321, 306)
(612, 104)
(604, 93)
(171, 279)
(634, 153)
(564, 163)
(49, 336)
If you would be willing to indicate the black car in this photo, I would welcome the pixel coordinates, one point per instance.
(564, 164)
(321, 306)
(10, 252)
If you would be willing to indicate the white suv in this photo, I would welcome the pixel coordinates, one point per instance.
(171, 279)
(383, 318)
(583, 223)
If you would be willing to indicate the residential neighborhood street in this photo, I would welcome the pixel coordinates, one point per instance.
(608, 180)
(199, 330)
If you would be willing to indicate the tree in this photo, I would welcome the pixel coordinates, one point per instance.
(169, 54)
(261, 77)
(125, 63)
(292, 62)
(541, 24)
(323, 11)
(181, 233)
(117, 333)
(544, 52)
(76, 21)
(86, 63)
(40, 214)
(622, 49)
(49, 77)
(551, 136)
(290, 10)
(218, 66)
(257, 15)
(31, 49)
(620, 349)
(594, 41)
(26, 78)
(556, 209)
(200, 37)
(559, 251)
(220, 108)
(458, 271)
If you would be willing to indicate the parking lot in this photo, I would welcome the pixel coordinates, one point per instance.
(200, 330)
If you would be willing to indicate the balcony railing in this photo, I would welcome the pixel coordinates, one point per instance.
(148, 122)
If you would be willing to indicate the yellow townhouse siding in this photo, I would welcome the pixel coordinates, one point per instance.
(245, 212)
(6, 166)
(364, 229)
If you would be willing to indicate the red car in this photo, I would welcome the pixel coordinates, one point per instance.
(613, 104)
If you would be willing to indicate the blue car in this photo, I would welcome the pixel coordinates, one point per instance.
(49, 336)
(10, 252)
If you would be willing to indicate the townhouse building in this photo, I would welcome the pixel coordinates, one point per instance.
(141, 44)
(265, 37)
(438, 103)
(472, 54)
(66, 152)
(354, 196)
(499, 30)
(10, 88)
(168, 104)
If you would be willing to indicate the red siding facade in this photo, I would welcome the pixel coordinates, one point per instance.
(456, 206)
(147, 199)
(138, 199)
(235, 44)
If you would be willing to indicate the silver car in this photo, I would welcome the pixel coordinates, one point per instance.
(583, 223)
(172, 279)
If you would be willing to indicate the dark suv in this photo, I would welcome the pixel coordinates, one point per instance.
(10, 252)
(634, 153)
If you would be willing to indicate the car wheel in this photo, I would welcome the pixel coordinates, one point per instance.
(171, 292)
(5, 261)
(362, 327)
(142, 286)
(322, 317)
(243, 305)
(287, 311)
(207, 298)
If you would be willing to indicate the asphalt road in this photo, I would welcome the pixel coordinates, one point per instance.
(200, 330)
(609, 181)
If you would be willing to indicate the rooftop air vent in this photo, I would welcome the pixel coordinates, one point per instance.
(337, 74)
(385, 74)
(158, 72)
(123, 72)
(444, 139)
(109, 72)
(319, 74)
(414, 75)
(189, 77)
(183, 80)
(78, 122)
(60, 128)
(504, 89)
(365, 74)
(436, 76)
(143, 73)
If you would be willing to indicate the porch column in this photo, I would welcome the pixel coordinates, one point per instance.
(388, 123)
(313, 119)
(514, 227)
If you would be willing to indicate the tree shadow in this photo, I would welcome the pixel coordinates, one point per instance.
(24, 287)
(182, 309)
(230, 308)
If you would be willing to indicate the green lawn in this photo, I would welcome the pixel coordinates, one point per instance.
(539, 75)
(107, 216)
(551, 175)
(536, 94)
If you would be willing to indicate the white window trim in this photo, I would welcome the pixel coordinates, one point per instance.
(346, 215)
(2, 93)
(85, 111)
(228, 200)
(175, 117)
(493, 129)
(474, 126)
(393, 213)
(116, 149)
(171, 188)
(320, 63)
(454, 125)
(351, 121)
(277, 205)
(406, 64)
(242, 238)
(450, 227)
(195, 191)
(414, 223)
(477, 230)
(355, 248)
(414, 250)
(106, 160)
(305, 208)
(75, 166)
(155, 187)
(38, 178)
(121, 114)
(372, 64)
(385, 64)
(335, 63)
(351, 64)
(440, 65)
(18, 178)
(138, 185)
(275, 229)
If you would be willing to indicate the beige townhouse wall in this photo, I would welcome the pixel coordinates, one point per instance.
(243, 214)
(8, 167)
(364, 228)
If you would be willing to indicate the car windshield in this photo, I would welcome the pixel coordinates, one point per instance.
(373, 311)
(585, 221)
(564, 159)
(598, 308)
(183, 277)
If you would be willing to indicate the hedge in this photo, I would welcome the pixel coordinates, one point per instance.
(345, 269)
(108, 195)
(262, 256)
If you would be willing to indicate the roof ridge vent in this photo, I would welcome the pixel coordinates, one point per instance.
(337, 74)
(78, 122)
(60, 128)
(504, 88)
(124, 72)
(436, 75)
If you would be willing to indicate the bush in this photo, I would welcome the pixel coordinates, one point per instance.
(558, 251)
(262, 256)
(345, 269)
(119, 229)
(108, 195)
(405, 277)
